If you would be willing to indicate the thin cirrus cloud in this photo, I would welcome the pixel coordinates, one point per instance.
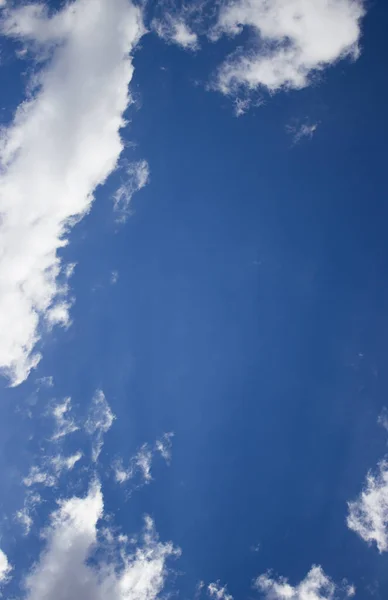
(64, 422)
(137, 176)
(301, 131)
(63, 142)
(294, 40)
(99, 421)
(141, 462)
(368, 514)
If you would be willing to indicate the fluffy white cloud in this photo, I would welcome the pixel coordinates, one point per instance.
(63, 573)
(99, 421)
(295, 39)
(173, 29)
(5, 567)
(64, 141)
(315, 586)
(137, 177)
(368, 514)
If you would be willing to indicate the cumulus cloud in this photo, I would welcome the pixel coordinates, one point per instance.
(63, 142)
(5, 567)
(64, 573)
(315, 586)
(174, 30)
(293, 40)
(368, 514)
(137, 177)
(99, 421)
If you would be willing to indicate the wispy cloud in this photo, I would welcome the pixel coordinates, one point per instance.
(174, 30)
(383, 418)
(63, 142)
(100, 420)
(294, 40)
(141, 463)
(301, 130)
(136, 177)
(368, 514)
(64, 423)
(25, 515)
(51, 469)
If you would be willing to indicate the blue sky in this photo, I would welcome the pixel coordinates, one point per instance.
(193, 300)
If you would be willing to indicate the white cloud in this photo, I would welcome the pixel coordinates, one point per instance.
(173, 29)
(63, 572)
(24, 515)
(164, 445)
(99, 421)
(315, 586)
(368, 515)
(5, 567)
(137, 177)
(51, 470)
(64, 424)
(294, 40)
(47, 382)
(38, 475)
(219, 592)
(141, 462)
(64, 141)
(383, 418)
(300, 131)
(114, 277)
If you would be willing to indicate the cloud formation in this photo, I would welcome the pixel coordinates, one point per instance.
(137, 177)
(99, 421)
(315, 586)
(368, 514)
(64, 423)
(174, 30)
(71, 538)
(141, 462)
(5, 567)
(293, 40)
(63, 142)
(300, 131)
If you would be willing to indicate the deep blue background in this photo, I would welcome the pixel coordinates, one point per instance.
(250, 316)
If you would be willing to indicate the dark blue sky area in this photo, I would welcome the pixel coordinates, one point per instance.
(250, 316)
